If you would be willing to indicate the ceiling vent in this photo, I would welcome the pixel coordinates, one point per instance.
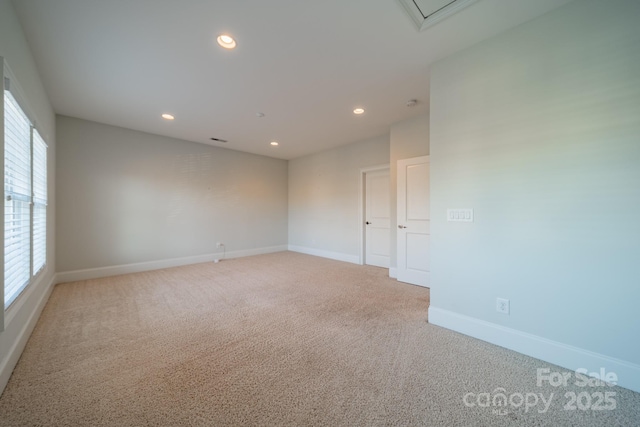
(426, 13)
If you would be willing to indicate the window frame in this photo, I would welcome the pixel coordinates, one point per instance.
(37, 197)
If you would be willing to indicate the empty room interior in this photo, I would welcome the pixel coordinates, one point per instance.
(364, 212)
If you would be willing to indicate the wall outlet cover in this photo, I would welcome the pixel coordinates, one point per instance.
(502, 305)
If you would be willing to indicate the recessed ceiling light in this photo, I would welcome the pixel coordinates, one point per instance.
(226, 41)
(168, 116)
(274, 143)
(358, 111)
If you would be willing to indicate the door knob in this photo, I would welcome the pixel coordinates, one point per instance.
(367, 223)
(402, 226)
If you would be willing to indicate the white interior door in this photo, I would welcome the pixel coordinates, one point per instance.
(377, 219)
(413, 221)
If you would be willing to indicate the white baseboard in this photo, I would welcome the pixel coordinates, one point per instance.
(560, 354)
(95, 273)
(18, 340)
(338, 256)
(393, 272)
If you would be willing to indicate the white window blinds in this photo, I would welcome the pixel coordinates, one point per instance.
(25, 200)
(17, 195)
(39, 202)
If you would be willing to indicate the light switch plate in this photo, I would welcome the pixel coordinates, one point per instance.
(460, 215)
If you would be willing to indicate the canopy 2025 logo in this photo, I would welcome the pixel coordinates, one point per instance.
(593, 397)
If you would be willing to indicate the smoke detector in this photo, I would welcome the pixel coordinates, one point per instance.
(425, 13)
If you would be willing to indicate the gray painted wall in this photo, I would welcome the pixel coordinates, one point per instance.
(20, 319)
(129, 197)
(538, 130)
(324, 191)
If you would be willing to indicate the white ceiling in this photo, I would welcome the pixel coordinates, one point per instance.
(305, 64)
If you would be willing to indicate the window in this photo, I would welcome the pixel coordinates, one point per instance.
(25, 195)
(39, 177)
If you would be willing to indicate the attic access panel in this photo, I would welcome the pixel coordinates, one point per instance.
(425, 13)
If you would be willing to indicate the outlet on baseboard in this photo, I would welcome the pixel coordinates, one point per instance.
(502, 305)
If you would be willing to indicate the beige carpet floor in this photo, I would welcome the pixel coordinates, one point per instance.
(278, 339)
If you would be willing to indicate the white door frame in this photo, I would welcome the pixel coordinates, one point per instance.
(362, 200)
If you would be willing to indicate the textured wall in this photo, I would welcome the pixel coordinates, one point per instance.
(538, 130)
(324, 191)
(129, 197)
